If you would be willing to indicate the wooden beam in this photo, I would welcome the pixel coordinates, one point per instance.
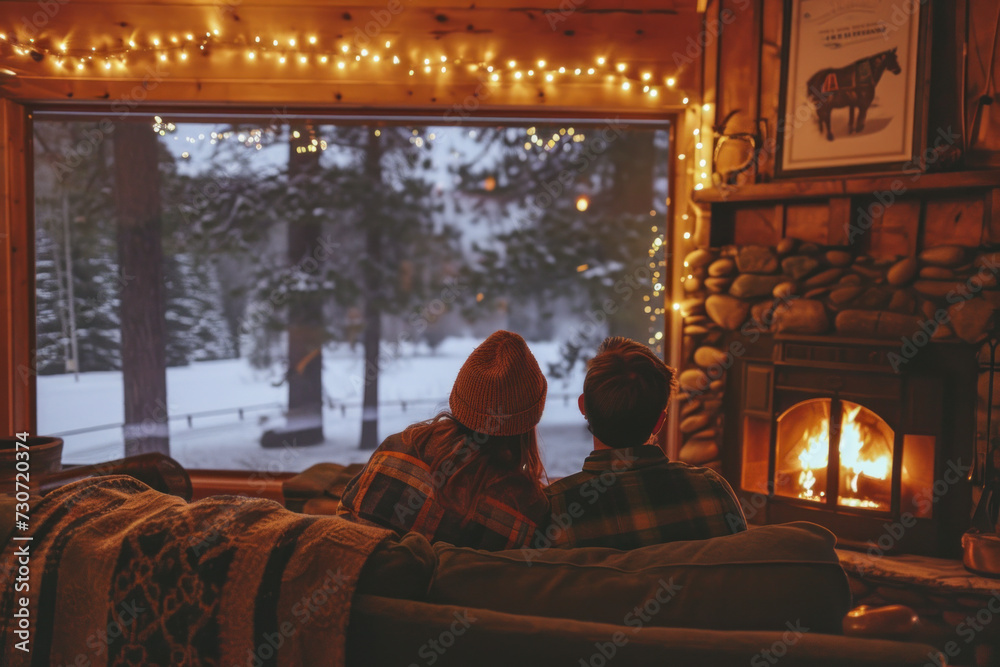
(862, 185)
(17, 273)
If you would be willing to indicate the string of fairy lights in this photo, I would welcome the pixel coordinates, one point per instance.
(117, 56)
(335, 58)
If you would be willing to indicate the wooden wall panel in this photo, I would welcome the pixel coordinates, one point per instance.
(756, 225)
(17, 284)
(739, 63)
(896, 232)
(954, 221)
(807, 222)
(644, 37)
(772, 24)
(993, 216)
(982, 21)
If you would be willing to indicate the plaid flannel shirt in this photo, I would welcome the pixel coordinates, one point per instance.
(398, 490)
(634, 497)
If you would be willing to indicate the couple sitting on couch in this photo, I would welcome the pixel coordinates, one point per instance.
(473, 476)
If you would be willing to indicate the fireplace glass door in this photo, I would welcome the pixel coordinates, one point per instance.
(833, 451)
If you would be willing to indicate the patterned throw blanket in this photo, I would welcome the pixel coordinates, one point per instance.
(121, 574)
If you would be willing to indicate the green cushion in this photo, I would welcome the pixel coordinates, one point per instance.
(761, 579)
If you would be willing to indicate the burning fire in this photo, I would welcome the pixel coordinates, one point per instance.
(854, 462)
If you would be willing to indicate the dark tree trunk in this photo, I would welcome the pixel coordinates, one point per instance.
(140, 258)
(373, 313)
(635, 157)
(306, 332)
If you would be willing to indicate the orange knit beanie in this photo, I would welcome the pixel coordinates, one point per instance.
(500, 390)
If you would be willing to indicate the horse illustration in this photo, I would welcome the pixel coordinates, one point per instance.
(852, 86)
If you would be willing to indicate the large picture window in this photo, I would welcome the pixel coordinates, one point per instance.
(269, 293)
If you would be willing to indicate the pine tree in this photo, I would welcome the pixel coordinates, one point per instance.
(571, 209)
(50, 305)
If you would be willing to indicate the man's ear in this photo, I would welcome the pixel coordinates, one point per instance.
(659, 422)
(579, 402)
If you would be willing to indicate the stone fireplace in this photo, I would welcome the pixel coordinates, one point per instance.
(843, 382)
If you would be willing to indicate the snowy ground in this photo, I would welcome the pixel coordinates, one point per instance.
(417, 377)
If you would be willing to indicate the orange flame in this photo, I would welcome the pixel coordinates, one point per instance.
(854, 460)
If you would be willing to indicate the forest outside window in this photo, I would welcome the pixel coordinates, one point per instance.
(267, 294)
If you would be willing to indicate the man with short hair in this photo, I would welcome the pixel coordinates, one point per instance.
(629, 494)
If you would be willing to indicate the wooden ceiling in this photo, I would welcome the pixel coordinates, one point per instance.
(655, 39)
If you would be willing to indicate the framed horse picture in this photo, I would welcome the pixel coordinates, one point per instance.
(852, 86)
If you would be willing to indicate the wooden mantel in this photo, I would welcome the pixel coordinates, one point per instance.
(862, 185)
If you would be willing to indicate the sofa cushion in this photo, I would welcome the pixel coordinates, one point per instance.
(761, 579)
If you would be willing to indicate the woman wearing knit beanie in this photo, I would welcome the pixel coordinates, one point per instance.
(471, 476)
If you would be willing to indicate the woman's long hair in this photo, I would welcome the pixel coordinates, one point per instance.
(467, 464)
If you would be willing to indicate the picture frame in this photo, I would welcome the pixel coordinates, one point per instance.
(848, 62)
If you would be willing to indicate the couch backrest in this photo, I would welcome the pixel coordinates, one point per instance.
(768, 578)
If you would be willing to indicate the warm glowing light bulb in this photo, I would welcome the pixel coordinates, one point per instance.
(344, 48)
(291, 42)
(549, 77)
(312, 40)
(702, 163)
(687, 235)
(646, 76)
(511, 64)
(387, 43)
(621, 67)
(495, 77)
(684, 101)
(517, 75)
(625, 85)
(706, 107)
(697, 131)
(184, 55)
(303, 59)
(698, 145)
(582, 203)
(395, 60)
(156, 42)
(671, 82)
(364, 52)
(340, 65)
(444, 59)
(600, 61)
(375, 59)
(653, 92)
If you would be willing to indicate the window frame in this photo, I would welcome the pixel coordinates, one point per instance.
(17, 218)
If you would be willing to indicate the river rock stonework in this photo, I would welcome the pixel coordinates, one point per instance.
(946, 293)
